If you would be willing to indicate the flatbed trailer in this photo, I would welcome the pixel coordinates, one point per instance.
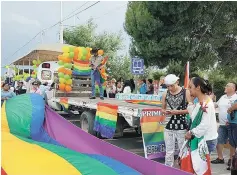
(128, 113)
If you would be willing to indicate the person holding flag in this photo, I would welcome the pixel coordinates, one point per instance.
(98, 74)
(197, 158)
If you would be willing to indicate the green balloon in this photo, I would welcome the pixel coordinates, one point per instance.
(71, 54)
(60, 75)
(34, 66)
(71, 49)
(67, 77)
(84, 51)
(62, 80)
(69, 66)
(83, 57)
(60, 62)
(39, 62)
(34, 61)
(66, 65)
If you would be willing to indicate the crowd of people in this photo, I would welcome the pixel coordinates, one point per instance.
(178, 103)
(12, 89)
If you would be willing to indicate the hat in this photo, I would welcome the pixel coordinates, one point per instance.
(171, 79)
(35, 83)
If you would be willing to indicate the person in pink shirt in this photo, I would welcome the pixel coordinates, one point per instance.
(35, 88)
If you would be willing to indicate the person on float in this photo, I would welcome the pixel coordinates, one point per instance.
(96, 65)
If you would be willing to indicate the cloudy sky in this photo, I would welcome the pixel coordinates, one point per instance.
(21, 21)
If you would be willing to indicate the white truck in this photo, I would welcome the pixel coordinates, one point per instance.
(82, 110)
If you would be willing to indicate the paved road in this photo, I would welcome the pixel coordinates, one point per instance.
(133, 143)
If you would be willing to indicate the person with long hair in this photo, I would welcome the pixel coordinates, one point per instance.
(127, 87)
(203, 116)
(176, 98)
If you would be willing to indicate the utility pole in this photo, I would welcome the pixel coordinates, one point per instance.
(61, 23)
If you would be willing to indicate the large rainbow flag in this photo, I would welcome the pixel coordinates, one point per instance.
(38, 141)
(106, 119)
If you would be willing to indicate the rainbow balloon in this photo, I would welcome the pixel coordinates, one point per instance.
(37, 141)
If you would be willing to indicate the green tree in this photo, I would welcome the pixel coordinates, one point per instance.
(120, 67)
(86, 36)
(179, 31)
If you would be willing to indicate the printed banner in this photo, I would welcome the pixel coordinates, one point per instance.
(152, 126)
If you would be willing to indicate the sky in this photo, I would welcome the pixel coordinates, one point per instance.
(21, 21)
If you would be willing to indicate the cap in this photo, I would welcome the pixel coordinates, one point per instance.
(35, 83)
(171, 79)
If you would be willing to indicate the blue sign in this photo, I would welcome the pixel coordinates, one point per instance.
(137, 66)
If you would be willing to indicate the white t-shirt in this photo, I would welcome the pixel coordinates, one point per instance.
(224, 103)
(127, 90)
(208, 125)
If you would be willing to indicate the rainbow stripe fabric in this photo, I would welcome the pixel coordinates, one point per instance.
(81, 68)
(106, 119)
(153, 133)
(64, 102)
(28, 148)
(145, 102)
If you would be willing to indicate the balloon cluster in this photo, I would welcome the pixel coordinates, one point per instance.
(21, 77)
(64, 71)
(36, 64)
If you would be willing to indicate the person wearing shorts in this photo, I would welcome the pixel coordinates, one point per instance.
(232, 128)
(224, 104)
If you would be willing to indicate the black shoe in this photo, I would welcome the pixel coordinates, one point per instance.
(92, 98)
(228, 168)
(102, 98)
(218, 161)
(229, 163)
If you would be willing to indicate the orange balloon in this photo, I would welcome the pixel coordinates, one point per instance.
(68, 72)
(100, 52)
(68, 88)
(67, 60)
(60, 57)
(62, 87)
(62, 69)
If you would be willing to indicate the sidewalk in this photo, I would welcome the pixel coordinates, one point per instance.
(220, 169)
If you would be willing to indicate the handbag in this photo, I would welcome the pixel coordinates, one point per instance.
(234, 164)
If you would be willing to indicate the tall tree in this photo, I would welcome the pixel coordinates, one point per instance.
(179, 31)
(86, 36)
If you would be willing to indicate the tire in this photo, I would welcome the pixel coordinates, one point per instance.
(87, 122)
(138, 131)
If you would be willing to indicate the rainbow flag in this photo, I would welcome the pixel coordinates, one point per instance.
(152, 126)
(81, 68)
(64, 102)
(28, 149)
(145, 102)
(106, 119)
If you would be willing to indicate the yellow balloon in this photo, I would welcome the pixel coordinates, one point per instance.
(66, 54)
(68, 82)
(65, 49)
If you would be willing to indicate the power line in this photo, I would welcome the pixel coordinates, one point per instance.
(117, 8)
(54, 26)
(78, 8)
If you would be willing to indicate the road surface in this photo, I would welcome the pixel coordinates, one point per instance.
(133, 143)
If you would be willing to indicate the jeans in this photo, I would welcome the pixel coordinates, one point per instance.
(211, 144)
(95, 78)
(232, 134)
(170, 136)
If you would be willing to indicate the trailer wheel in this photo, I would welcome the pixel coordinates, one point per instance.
(87, 122)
